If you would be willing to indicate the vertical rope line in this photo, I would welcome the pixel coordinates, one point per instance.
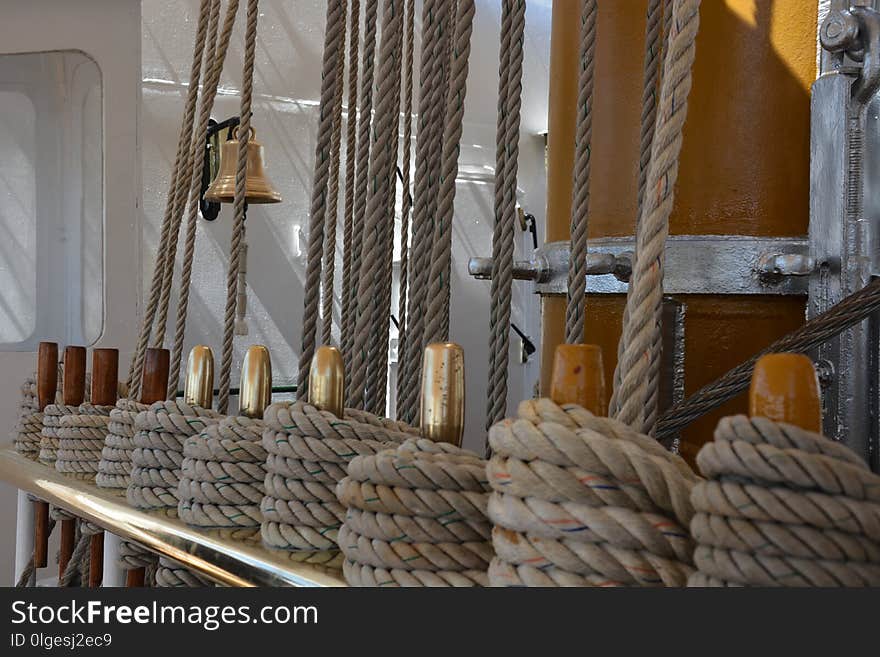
(212, 81)
(350, 172)
(333, 44)
(580, 206)
(183, 185)
(437, 327)
(405, 185)
(646, 285)
(364, 142)
(329, 264)
(382, 164)
(506, 167)
(239, 202)
(653, 65)
(432, 112)
(378, 347)
(137, 365)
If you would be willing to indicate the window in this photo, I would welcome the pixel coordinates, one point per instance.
(51, 200)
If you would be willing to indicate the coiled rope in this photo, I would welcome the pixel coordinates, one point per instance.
(222, 474)
(510, 72)
(162, 430)
(416, 516)
(637, 372)
(307, 451)
(783, 507)
(28, 430)
(81, 442)
(582, 500)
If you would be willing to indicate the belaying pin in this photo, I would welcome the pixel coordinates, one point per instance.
(255, 388)
(327, 381)
(579, 377)
(442, 402)
(198, 386)
(785, 388)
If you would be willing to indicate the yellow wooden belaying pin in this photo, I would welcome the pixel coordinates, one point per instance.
(255, 388)
(579, 377)
(441, 410)
(198, 387)
(327, 381)
(785, 388)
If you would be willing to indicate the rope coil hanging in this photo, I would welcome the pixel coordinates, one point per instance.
(783, 506)
(26, 434)
(416, 516)
(581, 500)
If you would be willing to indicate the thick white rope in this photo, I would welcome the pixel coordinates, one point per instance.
(580, 206)
(212, 81)
(436, 29)
(582, 500)
(437, 324)
(506, 161)
(783, 507)
(171, 209)
(416, 516)
(642, 317)
(238, 205)
(334, 44)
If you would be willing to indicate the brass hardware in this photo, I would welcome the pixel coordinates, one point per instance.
(256, 382)
(198, 387)
(217, 554)
(258, 188)
(327, 381)
(442, 403)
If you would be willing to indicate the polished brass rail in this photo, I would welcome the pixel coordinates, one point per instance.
(214, 554)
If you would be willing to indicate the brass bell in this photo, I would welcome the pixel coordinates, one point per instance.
(258, 188)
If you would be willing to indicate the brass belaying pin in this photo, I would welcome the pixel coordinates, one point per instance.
(327, 381)
(442, 403)
(785, 388)
(579, 377)
(198, 386)
(255, 388)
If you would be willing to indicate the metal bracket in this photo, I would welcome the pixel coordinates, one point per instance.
(695, 264)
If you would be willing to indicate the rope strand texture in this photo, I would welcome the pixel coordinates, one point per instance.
(162, 430)
(307, 451)
(334, 44)
(82, 437)
(506, 162)
(783, 507)
(636, 374)
(581, 500)
(222, 474)
(416, 516)
(28, 430)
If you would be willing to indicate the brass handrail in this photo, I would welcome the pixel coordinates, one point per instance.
(214, 554)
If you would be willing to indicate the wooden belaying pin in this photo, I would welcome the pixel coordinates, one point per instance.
(73, 393)
(47, 386)
(442, 403)
(327, 381)
(198, 386)
(785, 388)
(255, 387)
(105, 386)
(579, 377)
(154, 387)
